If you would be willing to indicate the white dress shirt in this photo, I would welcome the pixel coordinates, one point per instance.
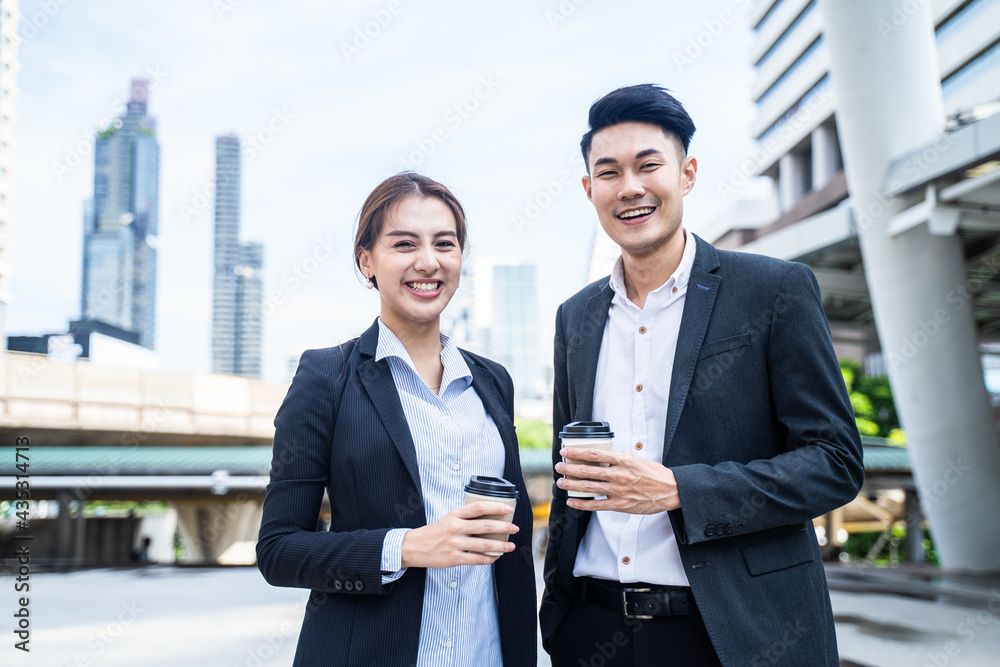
(631, 393)
(454, 438)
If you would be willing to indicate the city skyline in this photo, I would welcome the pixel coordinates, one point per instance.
(322, 127)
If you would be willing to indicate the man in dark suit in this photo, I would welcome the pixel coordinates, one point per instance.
(733, 429)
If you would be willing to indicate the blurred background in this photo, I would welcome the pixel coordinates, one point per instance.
(179, 186)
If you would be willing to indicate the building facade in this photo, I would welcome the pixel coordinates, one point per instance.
(237, 288)
(120, 223)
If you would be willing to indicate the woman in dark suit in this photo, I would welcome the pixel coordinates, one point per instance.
(392, 425)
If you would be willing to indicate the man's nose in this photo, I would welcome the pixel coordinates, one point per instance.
(631, 187)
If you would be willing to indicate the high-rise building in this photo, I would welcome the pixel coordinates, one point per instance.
(120, 223)
(237, 288)
(507, 320)
(8, 94)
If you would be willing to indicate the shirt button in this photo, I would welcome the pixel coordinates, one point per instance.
(638, 445)
(626, 560)
(454, 584)
(447, 644)
(642, 329)
(674, 290)
(446, 418)
(456, 466)
(638, 387)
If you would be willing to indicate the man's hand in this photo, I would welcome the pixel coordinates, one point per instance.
(632, 484)
(451, 540)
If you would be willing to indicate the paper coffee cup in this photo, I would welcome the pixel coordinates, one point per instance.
(592, 435)
(494, 489)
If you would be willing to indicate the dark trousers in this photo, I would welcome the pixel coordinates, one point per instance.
(595, 636)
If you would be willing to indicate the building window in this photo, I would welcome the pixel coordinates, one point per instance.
(788, 31)
(770, 12)
(794, 67)
(971, 71)
(961, 18)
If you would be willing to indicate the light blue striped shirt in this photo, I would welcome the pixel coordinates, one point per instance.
(455, 438)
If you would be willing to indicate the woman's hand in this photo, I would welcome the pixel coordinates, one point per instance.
(449, 541)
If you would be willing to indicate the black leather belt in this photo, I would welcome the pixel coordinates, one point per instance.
(642, 601)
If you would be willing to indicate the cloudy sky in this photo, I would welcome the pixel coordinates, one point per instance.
(489, 98)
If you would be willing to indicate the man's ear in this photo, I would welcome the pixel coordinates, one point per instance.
(586, 186)
(689, 174)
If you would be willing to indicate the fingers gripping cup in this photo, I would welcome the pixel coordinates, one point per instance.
(592, 435)
(494, 489)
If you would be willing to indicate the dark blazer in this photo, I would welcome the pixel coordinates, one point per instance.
(342, 428)
(761, 437)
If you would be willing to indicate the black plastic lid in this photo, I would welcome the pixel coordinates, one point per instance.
(495, 487)
(587, 430)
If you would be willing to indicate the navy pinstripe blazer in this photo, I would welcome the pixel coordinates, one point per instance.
(341, 428)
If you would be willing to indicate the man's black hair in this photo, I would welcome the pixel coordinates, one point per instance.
(645, 103)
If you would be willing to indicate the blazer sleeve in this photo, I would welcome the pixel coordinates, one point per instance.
(290, 551)
(553, 603)
(817, 465)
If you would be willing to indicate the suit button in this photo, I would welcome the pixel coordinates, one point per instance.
(358, 585)
(739, 527)
(348, 586)
(708, 532)
(729, 529)
(337, 585)
(720, 529)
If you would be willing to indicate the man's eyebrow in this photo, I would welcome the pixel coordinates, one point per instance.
(638, 156)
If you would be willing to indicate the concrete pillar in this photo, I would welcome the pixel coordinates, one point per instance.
(885, 76)
(825, 155)
(219, 531)
(791, 180)
(64, 532)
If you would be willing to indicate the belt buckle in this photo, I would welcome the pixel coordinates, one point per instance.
(625, 592)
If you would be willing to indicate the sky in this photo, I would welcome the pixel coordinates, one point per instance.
(331, 98)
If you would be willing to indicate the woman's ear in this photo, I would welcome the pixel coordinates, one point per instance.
(365, 262)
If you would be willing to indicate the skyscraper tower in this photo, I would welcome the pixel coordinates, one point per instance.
(120, 223)
(237, 289)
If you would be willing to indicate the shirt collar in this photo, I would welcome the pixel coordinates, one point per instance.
(455, 367)
(679, 278)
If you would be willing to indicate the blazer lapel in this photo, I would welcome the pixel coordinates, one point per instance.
(482, 382)
(699, 301)
(595, 316)
(377, 380)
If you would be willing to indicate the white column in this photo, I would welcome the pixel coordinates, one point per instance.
(791, 178)
(824, 155)
(885, 76)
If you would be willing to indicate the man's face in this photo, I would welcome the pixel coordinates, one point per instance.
(638, 178)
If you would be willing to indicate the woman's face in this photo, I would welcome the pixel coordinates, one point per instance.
(416, 261)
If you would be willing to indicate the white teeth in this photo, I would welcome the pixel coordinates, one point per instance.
(424, 287)
(637, 213)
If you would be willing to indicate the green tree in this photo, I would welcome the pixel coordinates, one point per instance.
(871, 398)
(533, 433)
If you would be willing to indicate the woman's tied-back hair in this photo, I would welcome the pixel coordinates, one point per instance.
(645, 103)
(394, 189)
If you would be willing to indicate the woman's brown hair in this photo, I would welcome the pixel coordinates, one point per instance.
(373, 214)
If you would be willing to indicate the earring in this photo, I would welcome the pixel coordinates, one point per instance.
(369, 284)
